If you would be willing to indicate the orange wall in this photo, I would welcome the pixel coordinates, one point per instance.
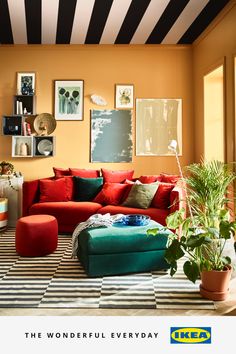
(155, 71)
(218, 45)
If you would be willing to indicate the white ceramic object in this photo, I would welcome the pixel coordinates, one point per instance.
(100, 101)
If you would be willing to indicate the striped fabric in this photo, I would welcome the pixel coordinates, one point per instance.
(58, 281)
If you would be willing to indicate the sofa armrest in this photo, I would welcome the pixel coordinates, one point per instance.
(30, 195)
(177, 199)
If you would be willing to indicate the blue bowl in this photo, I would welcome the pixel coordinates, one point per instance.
(136, 220)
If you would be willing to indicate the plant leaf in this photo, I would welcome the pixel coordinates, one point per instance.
(191, 270)
(174, 220)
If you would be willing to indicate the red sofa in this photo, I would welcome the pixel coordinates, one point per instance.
(70, 213)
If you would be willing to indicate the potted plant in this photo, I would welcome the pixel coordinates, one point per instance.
(201, 237)
(6, 168)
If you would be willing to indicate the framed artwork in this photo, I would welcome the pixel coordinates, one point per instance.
(124, 96)
(158, 121)
(69, 100)
(25, 83)
(111, 136)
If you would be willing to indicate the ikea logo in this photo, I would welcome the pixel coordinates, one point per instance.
(190, 335)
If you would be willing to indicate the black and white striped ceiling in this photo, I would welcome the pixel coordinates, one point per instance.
(105, 21)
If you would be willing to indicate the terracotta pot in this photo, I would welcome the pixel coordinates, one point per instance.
(215, 284)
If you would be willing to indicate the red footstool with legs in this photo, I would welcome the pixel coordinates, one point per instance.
(36, 235)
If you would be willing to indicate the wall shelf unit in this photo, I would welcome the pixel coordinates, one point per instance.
(24, 104)
(12, 125)
(33, 146)
(27, 139)
(22, 146)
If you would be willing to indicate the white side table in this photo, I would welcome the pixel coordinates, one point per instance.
(13, 193)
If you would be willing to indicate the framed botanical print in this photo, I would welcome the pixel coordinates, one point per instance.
(69, 100)
(25, 83)
(124, 96)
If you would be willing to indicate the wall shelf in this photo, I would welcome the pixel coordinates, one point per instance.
(12, 125)
(33, 146)
(22, 146)
(24, 104)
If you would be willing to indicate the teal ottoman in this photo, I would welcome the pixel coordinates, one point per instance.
(122, 249)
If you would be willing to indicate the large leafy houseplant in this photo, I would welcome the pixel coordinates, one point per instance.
(201, 237)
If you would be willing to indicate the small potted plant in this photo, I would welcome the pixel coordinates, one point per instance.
(202, 236)
(6, 168)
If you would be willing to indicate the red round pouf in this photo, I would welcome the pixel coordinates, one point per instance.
(36, 235)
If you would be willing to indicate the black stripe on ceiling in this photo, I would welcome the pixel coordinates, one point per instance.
(209, 12)
(66, 13)
(98, 20)
(33, 14)
(131, 21)
(166, 21)
(6, 36)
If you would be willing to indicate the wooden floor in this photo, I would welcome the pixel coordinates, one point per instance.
(223, 308)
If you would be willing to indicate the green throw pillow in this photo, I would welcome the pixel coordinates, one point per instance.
(141, 195)
(86, 189)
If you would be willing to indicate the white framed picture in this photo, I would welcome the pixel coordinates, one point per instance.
(124, 96)
(69, 100)
(25, 83)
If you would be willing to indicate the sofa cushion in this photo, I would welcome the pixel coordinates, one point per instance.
(140, 195)
(111, 193)
(158, 215)
(68, 214)
(118, 176)
(53, 190)
(149, 178)
(70, 187)
(84, 173)
(169, 178)
(86, 189)
(161, 199)
(61, 172)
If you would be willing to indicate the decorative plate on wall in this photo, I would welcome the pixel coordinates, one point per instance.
(45, 124)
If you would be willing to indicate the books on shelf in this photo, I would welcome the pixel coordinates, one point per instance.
(26, 128)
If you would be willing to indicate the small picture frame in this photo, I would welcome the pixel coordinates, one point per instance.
(68, 99)
(25, 83)
(124, 96)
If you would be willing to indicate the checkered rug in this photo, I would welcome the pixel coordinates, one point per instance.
(58, 281)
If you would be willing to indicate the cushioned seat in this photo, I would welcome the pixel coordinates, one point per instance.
(36, 235)
(122, 249)
(68, 214)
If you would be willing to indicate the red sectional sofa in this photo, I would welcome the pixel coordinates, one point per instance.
(70, 212)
